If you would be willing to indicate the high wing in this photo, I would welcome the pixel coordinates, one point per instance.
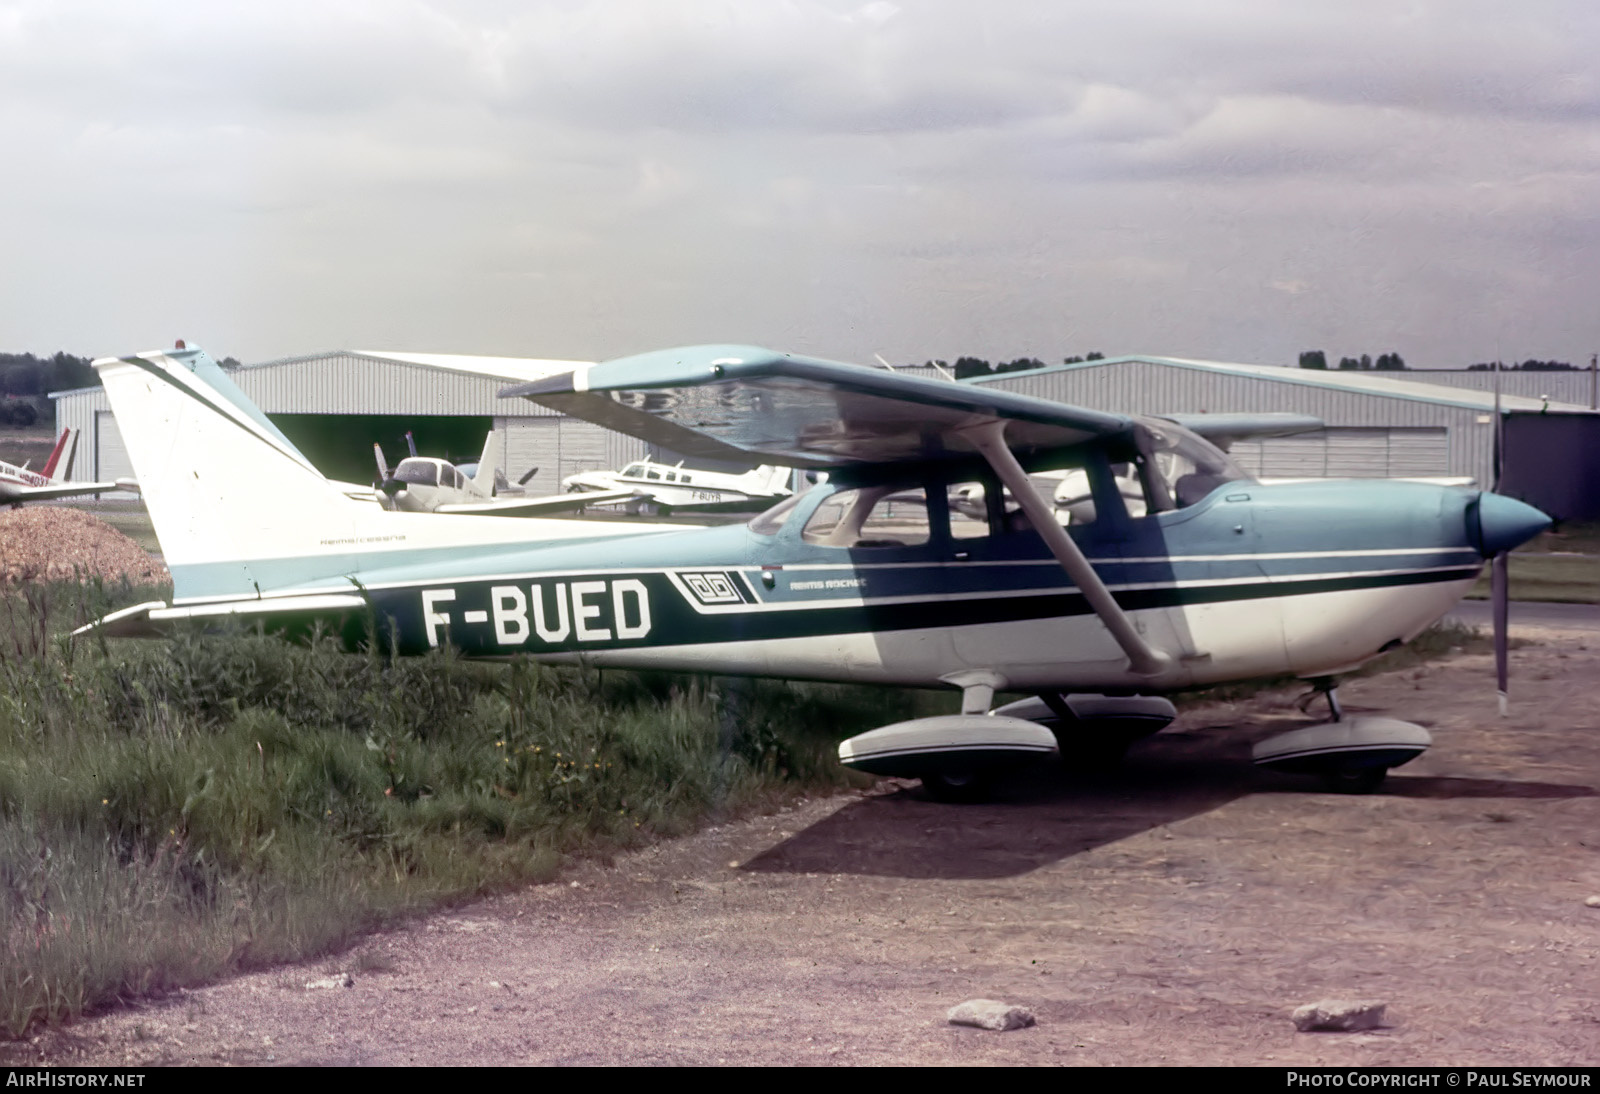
(754, 406)
(537, 507)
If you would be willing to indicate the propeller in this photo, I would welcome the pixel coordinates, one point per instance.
(1503, 523)
(1500, 570)
(532, 471)
(383, 464)
(411, 442)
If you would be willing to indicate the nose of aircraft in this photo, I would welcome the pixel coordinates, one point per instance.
(1505, 522)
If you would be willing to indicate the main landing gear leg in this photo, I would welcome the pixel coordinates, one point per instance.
(1323, 687)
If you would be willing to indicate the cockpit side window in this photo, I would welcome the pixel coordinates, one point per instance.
(768, 523)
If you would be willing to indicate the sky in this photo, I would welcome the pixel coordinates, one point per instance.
(1239, 180)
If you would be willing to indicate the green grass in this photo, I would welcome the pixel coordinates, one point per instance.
(1561, 564)
(1567, 578)
(174, 811)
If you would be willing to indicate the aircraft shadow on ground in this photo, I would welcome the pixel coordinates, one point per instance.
(1035, 819)
(1049, 815)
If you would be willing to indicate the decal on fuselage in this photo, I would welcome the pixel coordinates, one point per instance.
(715, 587)
(553, 612)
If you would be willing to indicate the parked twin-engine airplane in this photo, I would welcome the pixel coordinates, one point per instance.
(662, 488)
(18, 484)
(425, 484)
(869, 577)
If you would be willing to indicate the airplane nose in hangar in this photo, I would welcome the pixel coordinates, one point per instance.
(1505, 522)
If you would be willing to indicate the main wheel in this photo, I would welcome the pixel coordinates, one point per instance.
(958, 786)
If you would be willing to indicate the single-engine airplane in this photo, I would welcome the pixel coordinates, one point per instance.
(661, 489)
(424, 484)
(18, 484)
(870, 577)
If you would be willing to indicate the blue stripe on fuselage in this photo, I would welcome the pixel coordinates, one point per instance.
(1244, 541)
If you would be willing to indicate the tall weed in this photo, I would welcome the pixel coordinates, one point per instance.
(174, 810)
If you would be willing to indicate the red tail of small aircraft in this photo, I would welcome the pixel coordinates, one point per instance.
(49, 471)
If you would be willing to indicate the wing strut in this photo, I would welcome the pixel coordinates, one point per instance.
(1144, 659)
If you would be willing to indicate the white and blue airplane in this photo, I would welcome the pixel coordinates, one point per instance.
(871, 577)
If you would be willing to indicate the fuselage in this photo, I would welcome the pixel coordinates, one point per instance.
(1250, 580)
(676, 487)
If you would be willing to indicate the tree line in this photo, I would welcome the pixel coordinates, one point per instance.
(1393, 362)
(1529, 365)
(25, 380)
(1385, 362)
(966, 367)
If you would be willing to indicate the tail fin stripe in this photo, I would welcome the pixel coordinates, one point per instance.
(228, 414)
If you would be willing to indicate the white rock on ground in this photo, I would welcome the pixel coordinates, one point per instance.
(990, 1014)
(1339, 1015)
(342, 981)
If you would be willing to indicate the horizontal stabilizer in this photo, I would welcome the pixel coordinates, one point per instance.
(155, 617)
(514, 506)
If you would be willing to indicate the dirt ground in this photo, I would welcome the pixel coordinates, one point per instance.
(66, 543)
(1172, 914)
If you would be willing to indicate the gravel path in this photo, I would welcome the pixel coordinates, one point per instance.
(1175, 913)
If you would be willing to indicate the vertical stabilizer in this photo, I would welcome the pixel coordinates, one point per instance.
(231, 498)
(488, 473)
(774, 480)
(54, 469)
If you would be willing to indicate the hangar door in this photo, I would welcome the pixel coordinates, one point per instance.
(559, 447)
(1349, 453)
(110, 454)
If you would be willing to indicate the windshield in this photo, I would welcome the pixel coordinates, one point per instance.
(1187, 466)
(768, 523)
(420, 472)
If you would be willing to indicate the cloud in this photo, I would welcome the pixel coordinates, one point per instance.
(572, 177)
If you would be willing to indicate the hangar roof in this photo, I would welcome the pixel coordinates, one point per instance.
(1389, 385)
(520, 368)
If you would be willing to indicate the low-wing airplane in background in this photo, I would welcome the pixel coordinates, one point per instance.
(870, 577)
(662, 488)
(424, 484)
(18, 484)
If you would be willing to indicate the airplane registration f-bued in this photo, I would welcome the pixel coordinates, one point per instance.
(872, 577)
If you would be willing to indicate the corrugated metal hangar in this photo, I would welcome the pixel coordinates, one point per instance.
(1378, 425)
(336, 405)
